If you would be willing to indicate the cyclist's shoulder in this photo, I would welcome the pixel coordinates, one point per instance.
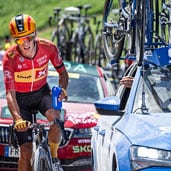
(44, 42)
(11, 52)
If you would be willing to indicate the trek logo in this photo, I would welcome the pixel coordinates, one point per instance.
(80, 149)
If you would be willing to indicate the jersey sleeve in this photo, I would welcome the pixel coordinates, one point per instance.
(8, 70)
(57, 60)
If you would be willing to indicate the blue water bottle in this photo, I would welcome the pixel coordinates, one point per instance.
(56, 103)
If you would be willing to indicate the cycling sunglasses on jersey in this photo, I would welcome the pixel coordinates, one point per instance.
(21, 40)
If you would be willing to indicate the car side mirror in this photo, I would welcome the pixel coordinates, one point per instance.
(108, 106)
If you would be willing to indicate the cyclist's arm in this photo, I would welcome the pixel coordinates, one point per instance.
(63, 79)
(20, 124)
(8, 69)
(60, 68)
(63, 82)
(13, 105)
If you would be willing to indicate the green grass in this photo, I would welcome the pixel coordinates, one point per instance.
(40, 10)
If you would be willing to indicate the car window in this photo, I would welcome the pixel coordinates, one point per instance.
(154, 91)
(123, 92)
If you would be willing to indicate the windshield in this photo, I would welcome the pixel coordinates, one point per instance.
(154, 91)
(81, 88)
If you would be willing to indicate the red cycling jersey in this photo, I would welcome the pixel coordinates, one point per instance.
(23, 74)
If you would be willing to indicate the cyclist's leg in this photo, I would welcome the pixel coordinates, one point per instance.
(27, 103)
(54, 135)
(25, 156)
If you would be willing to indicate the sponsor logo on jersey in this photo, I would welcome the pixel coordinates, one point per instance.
(31, 75)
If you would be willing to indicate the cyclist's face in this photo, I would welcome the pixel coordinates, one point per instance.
(26, 45)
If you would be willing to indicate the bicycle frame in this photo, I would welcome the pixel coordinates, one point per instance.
(83, 39)
(42, 155)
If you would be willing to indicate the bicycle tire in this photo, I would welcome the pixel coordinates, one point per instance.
(130, 35)
(157, 14)
(54, 37)
(140, 29)
(41, 161)
(113, 32)
(165, 18)
(76, 48)
(130, 26)
(100, 58)
(60, 37)
(88, 46)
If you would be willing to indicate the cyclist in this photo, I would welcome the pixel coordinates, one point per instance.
(25, 67)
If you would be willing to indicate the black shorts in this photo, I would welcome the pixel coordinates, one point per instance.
(39, 100)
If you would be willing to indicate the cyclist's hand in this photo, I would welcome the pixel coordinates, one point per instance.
(63, 95)
(21, 125)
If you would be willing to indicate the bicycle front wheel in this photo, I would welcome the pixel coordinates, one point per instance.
(89, 46)
(100, 58)
(113, 30)
(41, 161)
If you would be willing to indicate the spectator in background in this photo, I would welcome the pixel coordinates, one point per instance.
(7, 42)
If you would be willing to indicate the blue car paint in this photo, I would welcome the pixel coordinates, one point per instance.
(145, 130)
(142, 130)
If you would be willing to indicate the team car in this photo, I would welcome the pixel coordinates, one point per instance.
(86, 85)
(134, 128)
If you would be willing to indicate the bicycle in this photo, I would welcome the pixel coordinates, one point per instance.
(41, 159)
(83, 38)
(130, 32)
(62, 34)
